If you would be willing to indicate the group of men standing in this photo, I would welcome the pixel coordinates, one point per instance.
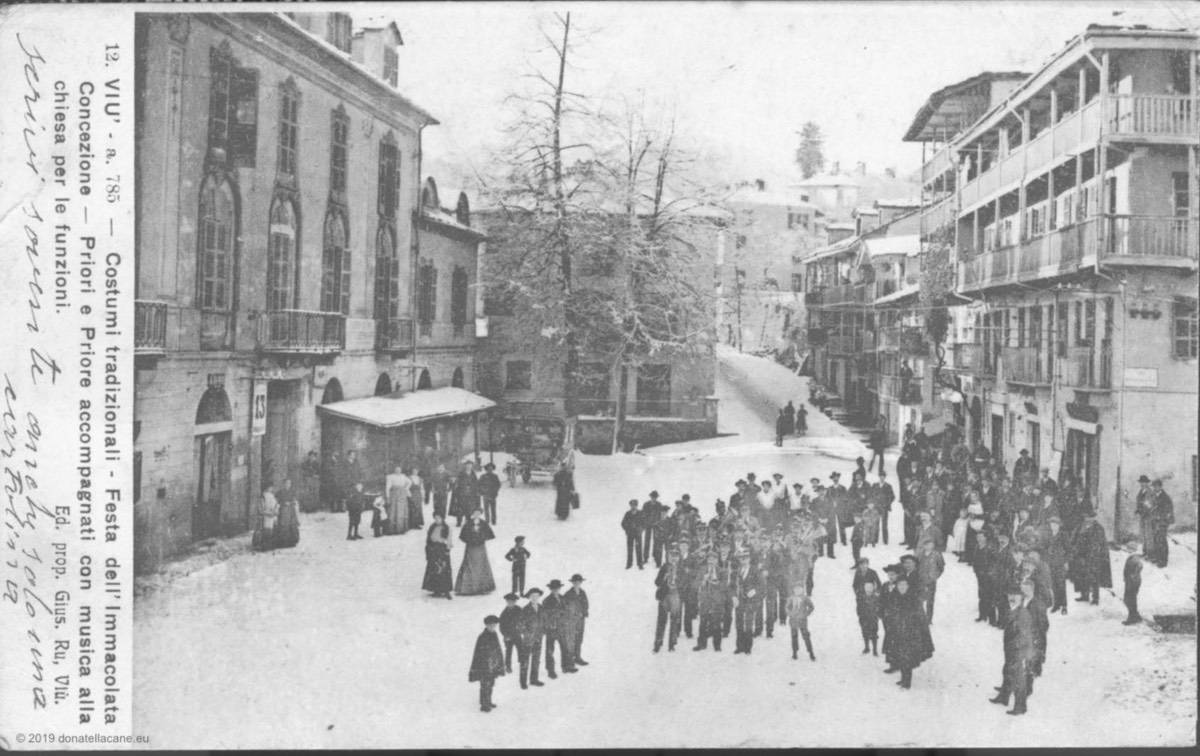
(790, 421)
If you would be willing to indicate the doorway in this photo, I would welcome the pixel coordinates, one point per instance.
(213, 445)
(1033, 440)
(279, 445)
(998, 438)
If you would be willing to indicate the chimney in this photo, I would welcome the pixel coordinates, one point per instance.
(762, 185)
(861, 168)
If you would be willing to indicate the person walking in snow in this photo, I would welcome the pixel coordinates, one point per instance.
(1018, 652)
(518, 555)
(799, 609)
(631, 523)
(489, 491)
(866, 605)
(789, 416)
(801, 420)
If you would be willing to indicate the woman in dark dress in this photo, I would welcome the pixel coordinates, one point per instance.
(909, 642)
(564, 487)
(475, 574)
(437, 559)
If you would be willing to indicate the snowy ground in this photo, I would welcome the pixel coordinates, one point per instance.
(333, 644)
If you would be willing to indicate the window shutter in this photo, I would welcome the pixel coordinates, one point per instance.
(346, 280)
(243, 122)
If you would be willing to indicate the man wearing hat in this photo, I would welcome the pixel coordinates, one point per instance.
(713, 596)
(487, 663)
(840, 500)
(864, 574)
(631, 523)
(670, 605)
(1145, 512)
(1090, 568)
(1162, 516)
(887, 608)
(747, 595)
(575, 612)
(510, 619)
(1054, 554)
(489, 490)
(1024, 469)
(558, 630)
(689, 569)
(531, 629)
(1018, 653)
(824, 509)
(929, 531)
(652, 512)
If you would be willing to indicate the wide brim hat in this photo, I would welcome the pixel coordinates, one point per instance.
(1143, 479)
(835, 475)
(491, 619)
(893, 569)
(555, 583)
(532, 591)
(908, 557)
(511, 597)
(577, 578)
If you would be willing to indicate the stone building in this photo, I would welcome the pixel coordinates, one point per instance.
(278, 175)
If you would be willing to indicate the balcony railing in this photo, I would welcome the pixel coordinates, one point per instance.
(149, 327)
(971, 358)
(908, 340)
(939, 215)
(1153, 116)
(301, 332)
(1114, 239)
(394, 334)
(906, 391)
(444, 333)
(845, 294)
(1088, 367)
(1026, 365)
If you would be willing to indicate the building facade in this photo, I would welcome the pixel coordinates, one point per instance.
(278, 244)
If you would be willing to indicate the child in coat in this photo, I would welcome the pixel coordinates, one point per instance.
(858, 537)
(487, 663)
(799, 606)
(868, 618)
(517, 555)
(871, 519)
(510, 618)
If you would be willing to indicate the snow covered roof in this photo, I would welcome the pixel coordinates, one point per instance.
(908, 245)
(845, 245)
(398, 409)
(828, 180)
(904, 295)
(905, 203)
(864, 211)
(840, 226)
(751, 195)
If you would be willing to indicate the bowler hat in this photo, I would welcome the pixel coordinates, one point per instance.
(908, 556)
(1143, 479)
(489, 467)
(555, 583)
(491, 619)
(577, 578)
(892, 569)
(532, 591)
(511, 597)
(654, 494)
(835, 475)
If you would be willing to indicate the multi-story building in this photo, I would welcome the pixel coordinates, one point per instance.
(1075, 205)
(278, 179)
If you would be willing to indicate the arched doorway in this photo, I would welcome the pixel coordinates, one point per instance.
(214, 441)
(457, 379)
(424, 381)
(383, 386)
(331, 445)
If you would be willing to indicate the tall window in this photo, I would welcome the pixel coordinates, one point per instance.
(391, 65)
(289, 112)
(1180, 181)
(232, 110)
(1185, 334)
(338, 147)
(335, 266)
(337, 30)
(426, 297)
(389, 177)
(216, 232)
(281, 256)
(458, 299)
(387, 276)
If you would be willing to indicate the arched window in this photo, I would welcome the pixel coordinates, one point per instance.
(429, 194)
(281, 255)
(383, 386)
(462, 211)
(335, 266)
(217, 232)
(332, 392)
(214, 407)
(427, 276)
(457, 379)
(424, 381)
(387, 275)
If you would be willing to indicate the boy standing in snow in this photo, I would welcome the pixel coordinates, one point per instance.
(356, 502)
(487, 663)
(799, 606)
(1133, 584)
(509, 619)
(517, 555)
(868, 617)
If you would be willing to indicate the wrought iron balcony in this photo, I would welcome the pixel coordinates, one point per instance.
(905, 391)
(301, 332)
(149, 327)
(1028, 366)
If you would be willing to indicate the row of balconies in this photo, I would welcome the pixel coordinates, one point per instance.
(1136, 117)
(1112, 239)
(905, 391)
(908, 340)
(292, 331)
(1082, 367)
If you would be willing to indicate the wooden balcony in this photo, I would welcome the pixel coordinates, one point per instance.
(908, 340)
(301, 332)
(846, 294)
(1028, 366)
(149, 328)
(971, 358)
(905, 391)
(1155, 118)
(939, 215)
(1088, 368)
(394, 334)
(1118, 240)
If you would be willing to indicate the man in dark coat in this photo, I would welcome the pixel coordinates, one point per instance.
(877, 444)
(670, 604)
(780, 428)
(487, 663)
(748, 595)
(510, 619)
(631, 523)
(1024, 469)
(558, 630)
(438, 483)
(789, 415)
(1055, 553)
(531, 629)
(489, 491)
(1046, 484)
(863, 574)
(575, 611)
(983, 563)
(652, 513)
(825, 509)
(840, 498)
(1161, 518)
(1018, 653)
(688, 586)
(712, 596)
(884, 498)
(564, 491)
(1090, 568)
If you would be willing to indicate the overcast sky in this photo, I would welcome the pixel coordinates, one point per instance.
(740, 77)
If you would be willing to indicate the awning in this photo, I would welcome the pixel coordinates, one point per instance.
(907, 295)
(395, 410)
(908, 245)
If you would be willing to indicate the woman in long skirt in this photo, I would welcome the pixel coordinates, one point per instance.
(396, 487)
(416, 493)
(475, 574)
(287, 527)
(910, 642)
(437, 559)
(564, 491)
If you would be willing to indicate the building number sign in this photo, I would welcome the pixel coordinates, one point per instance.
(258, 409)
